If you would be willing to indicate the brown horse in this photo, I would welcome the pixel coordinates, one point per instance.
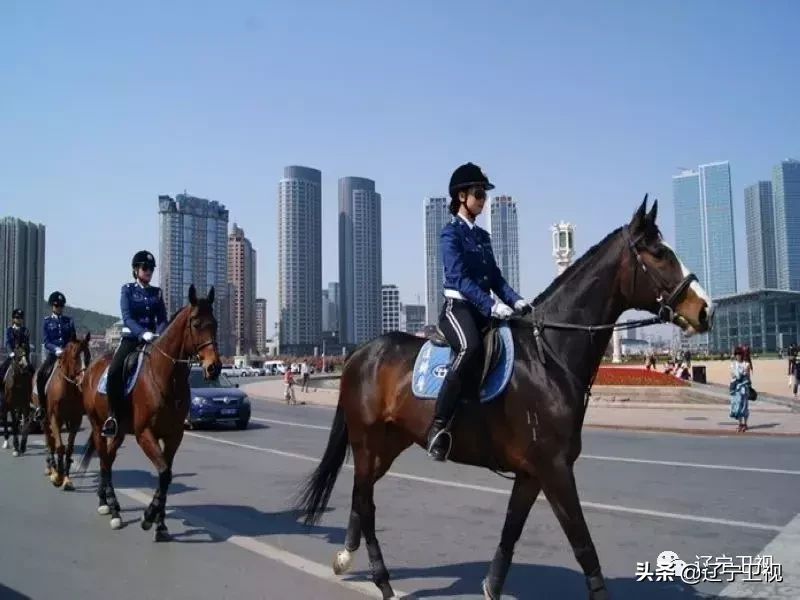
(64, 407)
(159, 403)
(17, 385)
(533, 428)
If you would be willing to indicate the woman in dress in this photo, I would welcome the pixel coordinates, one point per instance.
(740, 388)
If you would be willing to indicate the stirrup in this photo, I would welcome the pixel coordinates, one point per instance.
(110, 427)
(432, 443)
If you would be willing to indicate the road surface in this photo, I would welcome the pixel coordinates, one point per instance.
(236, 536)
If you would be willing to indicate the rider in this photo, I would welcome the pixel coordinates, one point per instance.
(57, 329)
(16, 335)
(470, 274)
(144, 316)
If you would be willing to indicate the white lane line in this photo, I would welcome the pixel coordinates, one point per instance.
(491, 490)
(784, 550)
(623, 459)
(263, 549)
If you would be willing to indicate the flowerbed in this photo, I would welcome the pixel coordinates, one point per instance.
(634, 376)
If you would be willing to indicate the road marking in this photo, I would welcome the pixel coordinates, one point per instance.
(491, 490)
(785, 551)
(644, 461)
(263, 549)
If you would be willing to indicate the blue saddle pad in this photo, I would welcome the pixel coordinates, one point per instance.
(130, 376)
(433, 361)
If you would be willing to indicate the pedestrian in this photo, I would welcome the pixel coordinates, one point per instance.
(288, 379)
(304, 375)
(740, 389)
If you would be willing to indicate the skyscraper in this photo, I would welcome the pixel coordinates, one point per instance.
(193, 249)
(435, 216)
(786, 199)
(414, 317)
(299, 260)
(22, 276)
(703, 221)
(261, 325)
(390, 308)
(759, 223)
(360, 261)
(242, 277)
(504, 231)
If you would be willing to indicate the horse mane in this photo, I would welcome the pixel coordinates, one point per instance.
(573, 269)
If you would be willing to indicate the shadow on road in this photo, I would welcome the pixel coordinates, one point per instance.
(134, 478)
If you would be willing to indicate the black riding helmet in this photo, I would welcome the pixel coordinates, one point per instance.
(56, 299)
(143, 258)
(18, 313)
(464, 177)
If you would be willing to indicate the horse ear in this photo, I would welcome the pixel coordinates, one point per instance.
(87, 337)
(211, 295)
(192, 295)
(637, 220)
(651, 216)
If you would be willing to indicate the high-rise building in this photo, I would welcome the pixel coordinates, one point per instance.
(390, 308)
(759, 223)
(786, 200)
(435, 216)
(299, 260)
(242, 277)
(503, 228)
(22, 276)
(330, 308)
(261, 325)
(193, 248)
(360, 261)
(704, 221)
(414, 317)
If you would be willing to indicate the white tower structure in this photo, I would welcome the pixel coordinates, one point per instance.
(563, 245)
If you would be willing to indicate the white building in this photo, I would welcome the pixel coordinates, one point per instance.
(390, 308)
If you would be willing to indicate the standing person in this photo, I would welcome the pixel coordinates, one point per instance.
(288, 379)
(740, 389)
(304, 375)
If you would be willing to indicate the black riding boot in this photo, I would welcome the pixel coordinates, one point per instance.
(439, 438)
(41, 411)
(110, 426)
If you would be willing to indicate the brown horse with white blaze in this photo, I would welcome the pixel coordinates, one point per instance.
(64, 407)
(17, 385)
(159, 402)
(533, 427)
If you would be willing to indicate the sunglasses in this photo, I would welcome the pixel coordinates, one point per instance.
(479, 193)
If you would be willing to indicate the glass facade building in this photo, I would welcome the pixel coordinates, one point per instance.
(504, 231)
(757, 318)
(786, 198)
(436, 216)
(759, 221)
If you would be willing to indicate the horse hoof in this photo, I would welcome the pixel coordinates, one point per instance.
(103, 509)
(342, 561)
(162, 535)
(47, 472)
(56, 480)
(15, 453)
(146, 525)
(68, 487)
(116, 523)
(487, 593)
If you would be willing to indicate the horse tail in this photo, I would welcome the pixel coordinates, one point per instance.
(88, 454)
(316, 491)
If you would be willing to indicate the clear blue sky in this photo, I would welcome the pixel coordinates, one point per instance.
(577, 110)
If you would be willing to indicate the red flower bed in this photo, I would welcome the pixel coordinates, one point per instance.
(635, 376)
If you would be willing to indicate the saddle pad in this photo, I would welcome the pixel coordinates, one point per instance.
(46, 383)
(130, 380)
(433, 361)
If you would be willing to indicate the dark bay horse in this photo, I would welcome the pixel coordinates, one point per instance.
(534, 428)
(64, 407)
(17, 385)
(159, 402)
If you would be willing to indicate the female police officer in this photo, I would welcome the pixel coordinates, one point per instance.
(144, 316)
(470, 274)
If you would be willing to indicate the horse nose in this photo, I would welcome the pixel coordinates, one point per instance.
(707, 315)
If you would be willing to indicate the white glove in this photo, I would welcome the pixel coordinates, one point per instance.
(11, 355)
(500, 310)
(519, 305)
(148, 336)
(59, 351)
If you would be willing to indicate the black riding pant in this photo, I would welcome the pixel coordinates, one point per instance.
(114, 383)
(461, 323)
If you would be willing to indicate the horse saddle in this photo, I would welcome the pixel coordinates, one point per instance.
(130, 373)
(46, 375)
(436, 355)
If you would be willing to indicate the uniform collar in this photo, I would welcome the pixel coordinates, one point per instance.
(469, 223)
(138, 284)
(15, 326)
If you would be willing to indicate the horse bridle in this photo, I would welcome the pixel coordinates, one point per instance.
(666, 299)
(197, 348)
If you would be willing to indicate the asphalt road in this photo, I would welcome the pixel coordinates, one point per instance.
(237, 537)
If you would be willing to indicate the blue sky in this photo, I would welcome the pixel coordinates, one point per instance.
(575, 108)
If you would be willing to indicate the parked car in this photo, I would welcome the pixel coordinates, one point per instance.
(217, 401)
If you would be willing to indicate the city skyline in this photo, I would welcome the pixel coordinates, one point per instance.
(242, 262)
(503, 227)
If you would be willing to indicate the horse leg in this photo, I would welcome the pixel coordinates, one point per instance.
(111, 496)
(4, 416)
(49, 450)
(26, 425)
(157, 507)
(395, 444)
(558, 481)
(523, 495)
(73, 425)
(15, 429)
(57, 477)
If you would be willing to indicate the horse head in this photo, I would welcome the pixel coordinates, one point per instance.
(200, 334)
(21, 359)
(76, 358)
(655, 279)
